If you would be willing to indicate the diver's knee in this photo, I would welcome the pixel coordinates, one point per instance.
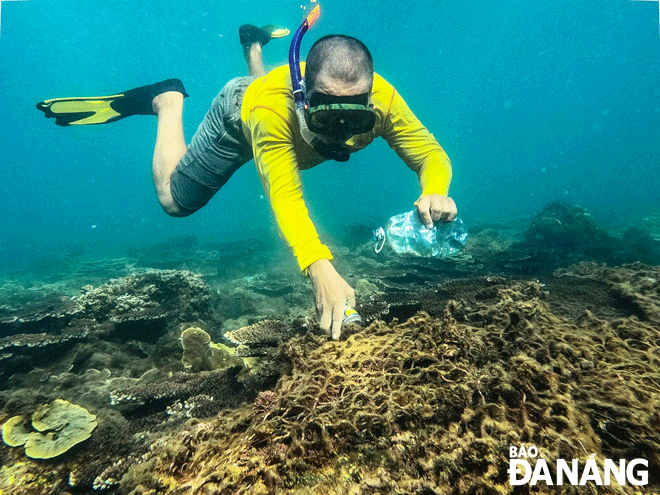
(173, 209)
(177, 213)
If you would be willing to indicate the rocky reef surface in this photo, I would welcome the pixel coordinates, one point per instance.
(546, 337)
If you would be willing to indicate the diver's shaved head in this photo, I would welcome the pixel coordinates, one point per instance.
(339, 57)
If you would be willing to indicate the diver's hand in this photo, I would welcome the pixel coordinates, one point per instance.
(332, 294)
(435, 208)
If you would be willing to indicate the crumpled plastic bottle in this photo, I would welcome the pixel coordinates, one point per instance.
(406, 235)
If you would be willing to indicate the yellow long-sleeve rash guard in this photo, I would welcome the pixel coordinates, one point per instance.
(270, 123)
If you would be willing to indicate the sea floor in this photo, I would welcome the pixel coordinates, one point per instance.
(207, 373)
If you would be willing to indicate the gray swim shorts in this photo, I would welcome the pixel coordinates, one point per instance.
(216, 151)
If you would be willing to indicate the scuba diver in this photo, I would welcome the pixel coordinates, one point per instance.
(286, 123)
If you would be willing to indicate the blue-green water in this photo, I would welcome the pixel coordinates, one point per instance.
(533, 101)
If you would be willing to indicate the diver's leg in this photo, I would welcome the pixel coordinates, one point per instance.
(252, 40)
(187, 177)
(255, 60)
(170, 148)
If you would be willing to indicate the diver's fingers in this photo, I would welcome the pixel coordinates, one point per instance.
(424, 210)
(350, 298)
(337, 318)
(324, 315)
(450, 210)
(443, 209)
(438, 212)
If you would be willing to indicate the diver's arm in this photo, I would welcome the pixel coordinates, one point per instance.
(274, 155)
(276, 162)
(419, 149)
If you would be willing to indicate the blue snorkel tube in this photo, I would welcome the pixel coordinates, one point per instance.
(297, 80)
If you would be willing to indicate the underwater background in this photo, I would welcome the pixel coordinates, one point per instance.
(142, 354)
(533, 101)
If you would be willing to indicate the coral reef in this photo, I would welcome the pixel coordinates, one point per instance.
(262, 333)
(128, 326)
(651, 224)
(636, 287)
(22, 352)
(432, 405)
(56, 427)
(641, 245)
(105, 268)
(201, 354)
(562, 234)
(278, 296)
(158, 393)
(26, 341)
(210, 259)
(148, 297)
(483, 243)
(143, 307)
(562, 225)
(460, 359)
(51, 313)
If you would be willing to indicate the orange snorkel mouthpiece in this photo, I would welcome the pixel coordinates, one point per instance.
(313, 16)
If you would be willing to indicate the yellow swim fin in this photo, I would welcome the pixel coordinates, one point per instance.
(276, 31)
(104, 109)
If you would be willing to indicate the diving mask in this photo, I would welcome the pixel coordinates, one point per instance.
(339, 116)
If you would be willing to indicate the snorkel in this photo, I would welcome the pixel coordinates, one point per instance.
(297, 80)
(340, 154)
